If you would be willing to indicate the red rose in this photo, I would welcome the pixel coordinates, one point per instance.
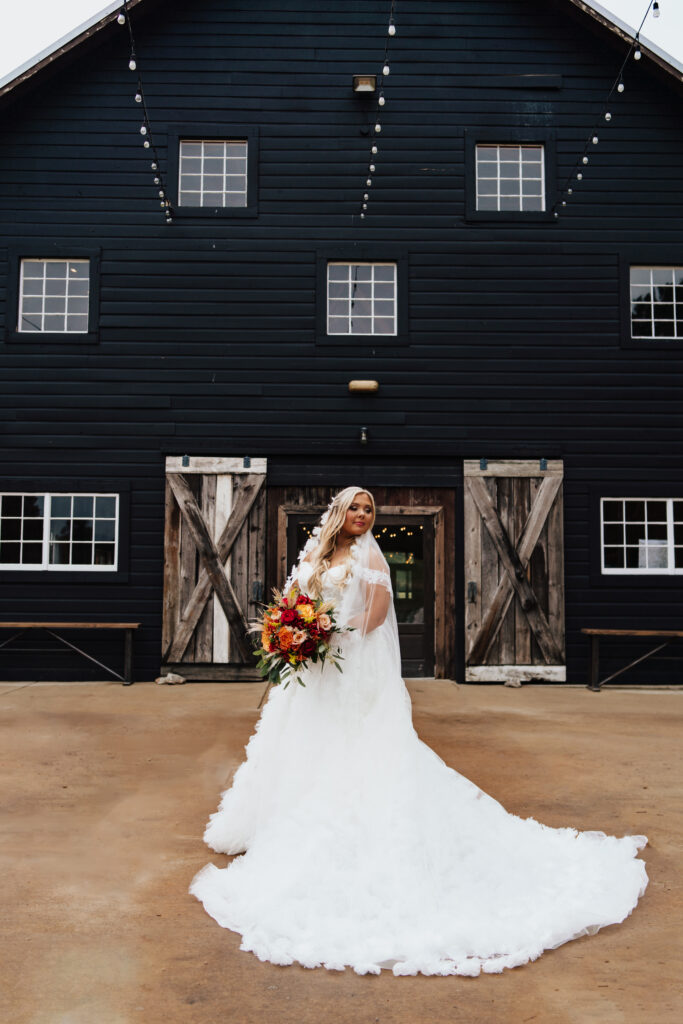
(308, 647)
(289, 617)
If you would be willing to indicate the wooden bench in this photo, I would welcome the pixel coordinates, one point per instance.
(596, 683)
(50, 627)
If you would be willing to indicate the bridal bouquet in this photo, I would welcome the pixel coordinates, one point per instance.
(295, 630)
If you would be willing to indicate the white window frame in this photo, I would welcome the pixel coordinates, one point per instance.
(22, 296)
(328, 298)
(677, 291)
(520, 147)
(670, 570)
(45, 564)
(224, 192)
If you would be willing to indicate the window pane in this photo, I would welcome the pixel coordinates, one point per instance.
(59, 554)
(105, 529)
(32, 530)
(337, 325)
(11, 504)
(82, 529)
(678, 533)
(664, 329)
(236, 199)
(635, 511)
(678, 511)
(55, 269)
(60, 529)
(487, 203)
(31, 554)
(78, 270)
(614, 534)
(641, 329)
(10, 554)
(361, 273)
(635, 533)
(361, 290)
(33, 269)
(361, 307)
(83, 505)
(338, 307)
(678, 558)
(384, 307)
(81, 554)
(33, 504)
(104, 554)
(105, 507)
(10, 529)
(509, 203)
(384, 290)
(338, 290)
(487, 153)
(336, 272)
(533, 204)
(614, 558)
(656, 511)
(657, 531)
(633, 558)
(662, 275)
(55, 305)
(78, 289)
(361, 325)
(385, 273)
(613, 511)
(385, 325)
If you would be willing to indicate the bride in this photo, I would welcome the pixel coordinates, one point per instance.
(363, 848)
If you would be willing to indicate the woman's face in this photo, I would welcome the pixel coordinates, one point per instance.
(359, 517)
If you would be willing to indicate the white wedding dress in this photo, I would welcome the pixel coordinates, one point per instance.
(364, 849)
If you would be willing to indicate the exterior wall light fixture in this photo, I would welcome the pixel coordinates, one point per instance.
(363, 386)
(363, 435)
(364, 83)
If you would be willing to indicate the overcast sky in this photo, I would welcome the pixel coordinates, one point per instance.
(32, 25)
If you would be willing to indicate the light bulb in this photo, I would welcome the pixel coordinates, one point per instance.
(362, 214)
(154, 165)
(161, 192)
(375, 150)
(637, 55)
(621, 87)
(162, 203)
(386, 70)
(157, 181)
(365, 206)
(131, 64)
(121, 18)
(570, 191)
(579, 175)
(365, 195)
(381, 101)
(143, 129)
(595, 140)
(392, 29)
(608, 116)
(146, 143)
(556, 214)
(378, 127)
(655, 10)
(584, 160)
(372, 167)
(369, 182)
(138, 97)
(564, 202)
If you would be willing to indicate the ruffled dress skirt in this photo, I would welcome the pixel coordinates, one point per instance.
(365, 850)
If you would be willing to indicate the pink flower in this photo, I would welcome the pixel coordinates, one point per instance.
(325, 623)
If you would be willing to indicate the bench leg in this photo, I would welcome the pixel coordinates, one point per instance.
(128, 657)
(595, 665)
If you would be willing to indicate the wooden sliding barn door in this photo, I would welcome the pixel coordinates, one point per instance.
(514, 571)
(214, 565)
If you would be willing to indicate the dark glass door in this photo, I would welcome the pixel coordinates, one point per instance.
(407, 543)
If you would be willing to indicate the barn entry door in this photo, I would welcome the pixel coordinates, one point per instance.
(514, 571)
(214, 565)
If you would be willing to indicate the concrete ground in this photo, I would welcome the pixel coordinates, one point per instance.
(105, 796)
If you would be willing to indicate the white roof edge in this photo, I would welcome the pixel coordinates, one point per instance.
(110, 8)
(631, 31)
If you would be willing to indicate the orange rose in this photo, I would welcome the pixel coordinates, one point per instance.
(299, 636)
(285, 635)
(265, 641)
(274, 614)
(325, 623)
(306, 611)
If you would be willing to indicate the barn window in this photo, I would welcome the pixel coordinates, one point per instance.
(510, 177)
(656, 298)
(642, 535)
(213, 172)
(59, 531)
(361, 298)
(54, 296)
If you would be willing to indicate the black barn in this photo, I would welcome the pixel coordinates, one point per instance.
(491, 342)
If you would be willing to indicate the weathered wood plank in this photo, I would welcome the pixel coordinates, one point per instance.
(240, 509)
(522, 505)
(212, 563)
(171, 594)
(514, 467)
(204, 631)
(515, 673)
(214, 673)
(208, 464)
(440, 605)
(188, 576)
(491, 570)
(556, 570)
(506, 634)
(221, 630)
(472, 528)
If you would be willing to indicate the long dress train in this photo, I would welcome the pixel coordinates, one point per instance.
(364, 849)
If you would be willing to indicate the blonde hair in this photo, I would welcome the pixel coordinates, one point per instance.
(329, 531)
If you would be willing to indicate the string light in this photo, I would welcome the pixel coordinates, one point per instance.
(381, 99)
(617, 86)
(123, 18)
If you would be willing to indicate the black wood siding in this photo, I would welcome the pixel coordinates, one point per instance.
(207, 334)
